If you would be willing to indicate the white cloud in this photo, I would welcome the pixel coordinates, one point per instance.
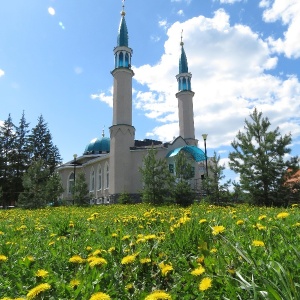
(187, 1)
(1, 73)
(229, 1)
(108, 99)
(228, 64)
(180, 13)
(289, 14)
(51, 11)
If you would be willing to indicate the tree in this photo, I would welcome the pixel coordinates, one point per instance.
(258, 157)
(80, 190)
(41, 145)
(184, 171)
(156, 178)
(7, 152)
(53, 189)
(217, 191)
(35, 185)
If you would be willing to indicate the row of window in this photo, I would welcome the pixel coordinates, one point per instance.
(98, 179)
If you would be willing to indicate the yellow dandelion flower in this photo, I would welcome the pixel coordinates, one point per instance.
(129, 286)
(200, 259)
(111, 249)
(51, 243)
(165, 268)
(1, 232)
(76, 259)
(295, 205)
(41, 273)
(129, 259)
(262, 217)
(158, 295)
(213, 250)
(205, 284)
(218, 229)
(88, 248)
(202, 221)
(37, 290)
(97, 252)
(100, 296)
(258, 243)
(150, 237)
(198, 271)
(125, 237)
(282, 215)
(3, 258)
(145, 260)
(297, 224)
(114, 235)
(97, 261)
(240, 222)
(74, 283)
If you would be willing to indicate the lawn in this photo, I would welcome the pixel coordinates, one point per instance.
(145, 252)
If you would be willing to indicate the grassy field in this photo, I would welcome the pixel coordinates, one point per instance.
(145, 252)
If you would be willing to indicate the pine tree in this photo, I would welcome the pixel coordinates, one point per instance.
(7, 154)
(41, 145)
(184, 171)
(35, 186)
(217, 191)
(156, 178)
(259, 159)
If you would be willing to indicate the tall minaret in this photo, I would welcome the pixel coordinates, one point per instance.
(185, 100)
(121, 132)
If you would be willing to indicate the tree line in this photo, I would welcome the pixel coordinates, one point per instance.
(22, 148)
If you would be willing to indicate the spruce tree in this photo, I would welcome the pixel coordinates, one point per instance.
(258, 157)
(216, 190)
(184, 172)
(7, 154)
(156, 178)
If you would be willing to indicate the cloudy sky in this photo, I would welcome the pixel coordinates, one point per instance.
(56, 57)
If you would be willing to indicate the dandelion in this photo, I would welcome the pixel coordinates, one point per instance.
(213, 250)
(97, 252)
(262, 217)
(202, 221)
(218, 229)
(97, 261)
(205, 284)
(41, 273)
(129, 287)
(114, 235)
(37, 290)
(158, 295)
(76, 259)
(74, 283)
(165, 268)
(88, 248)
(100, 296)
(239, 222)
(260, 227)
(1, 232)
(282, 215)
(129, 259)
(200, 259)
(198, 271)
(125, 237)
(258, 243)
(3, 258)
(145, 260)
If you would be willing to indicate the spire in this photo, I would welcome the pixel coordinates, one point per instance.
(123, 32)
(183, 63)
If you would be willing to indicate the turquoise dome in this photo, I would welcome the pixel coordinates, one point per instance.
(98, 146)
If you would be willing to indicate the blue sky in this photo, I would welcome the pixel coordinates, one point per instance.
(56, 57)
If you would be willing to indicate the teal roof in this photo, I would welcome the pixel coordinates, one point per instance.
(197, 153)
(98, 146)
(183, 63)
(123, 34)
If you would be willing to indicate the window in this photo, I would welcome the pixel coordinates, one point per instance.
(107, 176)
(171, 168)
(99, 185)
(92, 180)
(71, 183)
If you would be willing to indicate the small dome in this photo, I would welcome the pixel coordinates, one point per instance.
(98, 146)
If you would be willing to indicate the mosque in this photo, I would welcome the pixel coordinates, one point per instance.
(111, 164)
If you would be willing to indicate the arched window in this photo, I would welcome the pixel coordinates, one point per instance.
(121, 59)
(92, 180)
(107, 176)
(184, 84)
(126, 60)
(71, 183)
(99, 181)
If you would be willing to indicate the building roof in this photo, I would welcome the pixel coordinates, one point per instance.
(197, 153)
(183, 63)
(123, 33)
(98, 146)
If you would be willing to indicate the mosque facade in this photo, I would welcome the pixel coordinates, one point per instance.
(111, 164)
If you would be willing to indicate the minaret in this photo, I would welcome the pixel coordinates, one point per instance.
(121, 132)
(185, 100)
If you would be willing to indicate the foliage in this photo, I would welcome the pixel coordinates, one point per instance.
(80, 190)
(130, 251)
(216, 191)
(125, 198)
(258, 157)
(35, 186)
(156, 178)
(53, 189)
(183, 193)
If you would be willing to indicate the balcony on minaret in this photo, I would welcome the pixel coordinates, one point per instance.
(123, 57)
(184, 82)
